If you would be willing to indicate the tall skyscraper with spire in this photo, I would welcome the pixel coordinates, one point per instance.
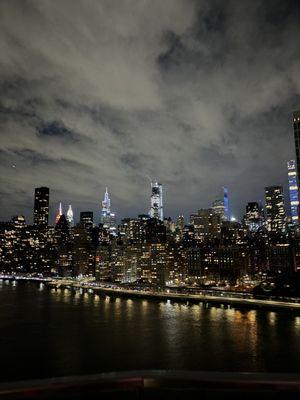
(59, 213)
(70, 216)
(108, 219)
(156, 201)
(105, 212)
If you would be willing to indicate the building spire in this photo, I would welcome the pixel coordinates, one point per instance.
(70, 216)
(59, 213)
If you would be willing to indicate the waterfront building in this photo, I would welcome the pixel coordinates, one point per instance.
(41, 207)
(102, 262)
(275, 209)
(156, 201)
(83, 257)
(293, 191)
(281, 259)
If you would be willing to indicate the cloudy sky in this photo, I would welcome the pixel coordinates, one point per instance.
(195, 94)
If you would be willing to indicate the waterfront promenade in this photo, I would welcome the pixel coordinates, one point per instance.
(203, 296)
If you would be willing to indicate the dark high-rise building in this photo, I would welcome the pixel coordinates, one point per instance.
(205, 223)
(41, 206)
(296, 121)
(275, 208)
(86, 219)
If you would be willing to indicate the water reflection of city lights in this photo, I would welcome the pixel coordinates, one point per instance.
(297, 322)
(251, 316)
(272, 318)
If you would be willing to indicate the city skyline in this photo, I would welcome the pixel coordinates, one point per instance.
(150, 198)
(76, 124)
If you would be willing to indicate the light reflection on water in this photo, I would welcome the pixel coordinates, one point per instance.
(92, 332)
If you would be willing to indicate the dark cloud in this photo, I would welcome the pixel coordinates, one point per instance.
(195, 94)
(56, 129)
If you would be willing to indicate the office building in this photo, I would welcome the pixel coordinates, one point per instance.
(296, 122)
(253, 218)
(275, 208)
(86, 219)
(41, 207)
(218, 208)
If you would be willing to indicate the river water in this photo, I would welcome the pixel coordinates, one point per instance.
(47, 333)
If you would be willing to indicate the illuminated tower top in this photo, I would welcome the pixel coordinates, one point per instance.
(156, 206)
(294, 191)
(70, 216)
(59, 213)
(226, 203)
(108, 218)
(106, 203)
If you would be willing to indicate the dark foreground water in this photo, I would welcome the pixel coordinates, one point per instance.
(46, 333)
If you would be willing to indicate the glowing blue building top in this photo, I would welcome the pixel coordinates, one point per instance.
(293, 191)
(226, 203)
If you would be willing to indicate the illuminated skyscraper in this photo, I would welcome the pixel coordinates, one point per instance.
(296, 122)
(180, 222)
(41, 206)
(105, 211)
(294, 191)
(219, 209)
(275, 208)
(254, 216)
(156, 207)
(70, 216)
(59, 214)
(226, 203)
(108, 219)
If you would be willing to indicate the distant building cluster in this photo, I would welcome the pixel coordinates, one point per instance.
(210, 248)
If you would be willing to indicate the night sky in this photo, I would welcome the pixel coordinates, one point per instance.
(194, 94)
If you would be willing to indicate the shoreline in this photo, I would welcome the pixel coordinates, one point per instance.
(206, 299)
